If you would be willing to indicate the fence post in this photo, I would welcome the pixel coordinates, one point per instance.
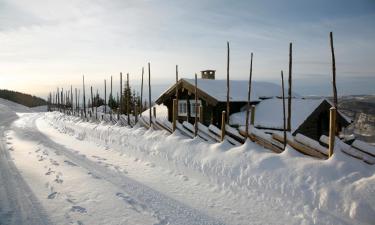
(174, 115)
(154, 111)
(252, 115)
(223, 114)
(332, 130)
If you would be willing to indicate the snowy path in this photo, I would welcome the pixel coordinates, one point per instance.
(18, 204)
(165, 209)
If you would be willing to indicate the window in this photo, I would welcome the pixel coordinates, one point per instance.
(182, 108)
(192, 108)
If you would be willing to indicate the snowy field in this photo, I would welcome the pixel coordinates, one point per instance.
(57, 169)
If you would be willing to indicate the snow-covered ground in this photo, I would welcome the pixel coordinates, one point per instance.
(85, 173)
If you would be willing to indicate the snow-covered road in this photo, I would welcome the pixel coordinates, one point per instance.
(141, 198)
(18, 204)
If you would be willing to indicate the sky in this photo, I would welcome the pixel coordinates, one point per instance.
(50, 44)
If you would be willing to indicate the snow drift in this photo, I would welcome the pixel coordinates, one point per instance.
(335, 191)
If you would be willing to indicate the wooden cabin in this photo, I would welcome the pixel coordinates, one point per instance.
(310, 117)
(212, 97)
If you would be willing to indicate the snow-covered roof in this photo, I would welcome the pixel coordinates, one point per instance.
(238, 89)
(269, 113)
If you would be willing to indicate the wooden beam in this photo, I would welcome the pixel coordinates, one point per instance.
(223, 113)
(149, 93)
(332, 130)
(141, 106)
(196, 107)
(283, 99)
(174, 116)
(249, 93)
(289, 123)
(228, 90)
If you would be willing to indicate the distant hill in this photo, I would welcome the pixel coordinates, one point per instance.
(22, 98)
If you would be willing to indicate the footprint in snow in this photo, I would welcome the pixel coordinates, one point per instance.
(11, 149)
(49, 172)
(69, 163)
(52, 195)
(138, 207)
(79, 209)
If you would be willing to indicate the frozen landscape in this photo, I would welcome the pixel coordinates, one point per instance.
(57, 169)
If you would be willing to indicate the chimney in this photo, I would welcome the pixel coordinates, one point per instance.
(208, 74)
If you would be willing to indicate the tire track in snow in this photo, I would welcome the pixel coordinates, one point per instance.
(165, 209)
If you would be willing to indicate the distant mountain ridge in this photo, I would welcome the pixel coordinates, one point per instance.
(22, 98)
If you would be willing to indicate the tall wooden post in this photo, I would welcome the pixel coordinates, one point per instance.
(105, 96)
(141, 106)
(228, 91)
(249, 94)
(222, 126)
(76, 105)
(120, 103)
(92, 101)
(71, 98)
(196, 106)
(283, 99)
(334, 88)
(332, 130)
(289, 124)
(177, 89)
(97, 103)
(149, 91)
(127, 96)
(62, 99)
(252, 119)
(79, 105)
(333, 71)
(174, 115)
(84, 97)
(154, 111)
(110, 99)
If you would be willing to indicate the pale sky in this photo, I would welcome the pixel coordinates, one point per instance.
(46, 44)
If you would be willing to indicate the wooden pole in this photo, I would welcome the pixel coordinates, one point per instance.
(289, 124)
(79, 97)
(228, 109)
(97, 103)
(154, 111)
(252, 119)
(141, 106)
(283, 99)
(84, 96)
(111, 99)
(196, 106)
(222, 125)
(120, 103)
(71, 98)
(128, 93)
(177, 89)
(174, 116)
(92, 101)
(75, 109)
(105, 96)
(332, 131)
(249, 94)
(333, 72)
(149, 91)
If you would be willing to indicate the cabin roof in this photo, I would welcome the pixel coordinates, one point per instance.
(214, 91)
(269, 113)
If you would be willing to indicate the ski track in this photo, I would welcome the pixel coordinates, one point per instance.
(18, 204)
(134, 193)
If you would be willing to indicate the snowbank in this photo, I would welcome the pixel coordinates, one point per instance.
(335, 191)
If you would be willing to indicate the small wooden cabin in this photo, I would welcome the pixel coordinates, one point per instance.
(212, 97)
(310, 117)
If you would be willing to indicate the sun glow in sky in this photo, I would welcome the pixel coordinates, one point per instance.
(46, 44)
